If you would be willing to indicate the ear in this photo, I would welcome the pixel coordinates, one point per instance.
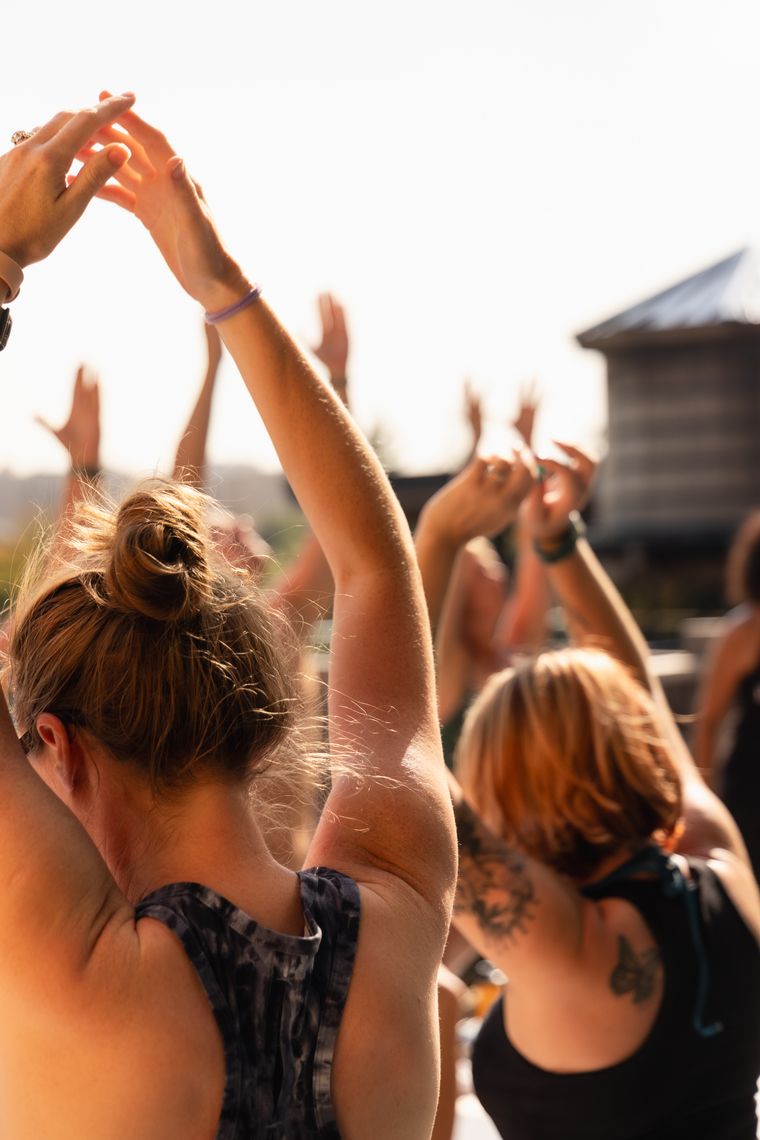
(61, 765)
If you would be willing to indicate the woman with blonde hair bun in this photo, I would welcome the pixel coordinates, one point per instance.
(162, 976)
(600, 874)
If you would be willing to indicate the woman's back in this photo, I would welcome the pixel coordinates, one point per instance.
(277, 998)
(694, 1073)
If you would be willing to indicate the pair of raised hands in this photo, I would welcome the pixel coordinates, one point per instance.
(40, 200)
(487, 495)
(523, 423)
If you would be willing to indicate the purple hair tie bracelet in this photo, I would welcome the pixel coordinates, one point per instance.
(252, 295)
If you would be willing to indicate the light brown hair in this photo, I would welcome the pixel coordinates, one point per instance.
(562, 756)
(144, 636)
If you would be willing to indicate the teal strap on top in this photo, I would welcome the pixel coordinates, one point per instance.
(652, 860)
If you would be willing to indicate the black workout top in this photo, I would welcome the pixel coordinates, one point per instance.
(277, 998)
(694, 1077)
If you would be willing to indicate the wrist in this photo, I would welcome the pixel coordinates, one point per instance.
(228, 287)
(433, 530)
(86, 472)
(555, 547)
(11, 277)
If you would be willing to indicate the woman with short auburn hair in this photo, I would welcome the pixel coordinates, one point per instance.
(563, 755)
(599, 873)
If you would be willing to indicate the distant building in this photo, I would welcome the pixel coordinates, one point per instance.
(683, 376)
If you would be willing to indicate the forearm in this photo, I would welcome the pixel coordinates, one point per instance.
(305, 588)
(705, 732)
(78, 486)
(596, 612)
(190, 460)
(334, 474)
(436, 556)
(523, 622)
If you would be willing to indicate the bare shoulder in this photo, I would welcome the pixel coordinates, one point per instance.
(739, 883)
(138, 1003)
(600, 1013)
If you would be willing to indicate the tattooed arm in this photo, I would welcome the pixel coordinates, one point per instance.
(515, 911)
(536, 927)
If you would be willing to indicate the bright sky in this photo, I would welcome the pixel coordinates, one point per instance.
(477, 182)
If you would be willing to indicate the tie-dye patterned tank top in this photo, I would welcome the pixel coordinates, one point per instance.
(277, 998)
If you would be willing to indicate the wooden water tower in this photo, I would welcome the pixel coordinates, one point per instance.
(683, 376)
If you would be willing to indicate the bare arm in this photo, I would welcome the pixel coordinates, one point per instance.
(482, 500)
(190, 460)
(80, 436)
(516, 912)
(522, 625)
(334, 345)
(58, 883)
(359, 525)
(598, 614)
(453, 657)
(724, 671)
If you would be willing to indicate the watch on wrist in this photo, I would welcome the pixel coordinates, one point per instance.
(576, 528)
(6, 324)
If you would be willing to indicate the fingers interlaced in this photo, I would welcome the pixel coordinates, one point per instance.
(155, 144)
(78, 130)
(139, 160)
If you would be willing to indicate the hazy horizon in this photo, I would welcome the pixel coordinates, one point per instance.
(476, 185)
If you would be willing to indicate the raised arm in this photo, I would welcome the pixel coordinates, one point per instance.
(55, 891)
(334, 345)
(382, 703)
(522, 625)
(190, 460)
(80, 436)
(597, 614)
(727, 663)
(482, 500)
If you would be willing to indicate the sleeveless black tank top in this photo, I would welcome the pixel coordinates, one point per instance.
(694, 1076)
(277, 999)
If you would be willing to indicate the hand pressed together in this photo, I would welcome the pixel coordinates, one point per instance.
(564, 489)
(483, 499)
(39, 200)
(155, 186)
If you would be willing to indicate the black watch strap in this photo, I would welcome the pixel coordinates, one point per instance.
(6, 324)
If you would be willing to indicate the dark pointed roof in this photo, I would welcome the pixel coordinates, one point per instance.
(724, 297)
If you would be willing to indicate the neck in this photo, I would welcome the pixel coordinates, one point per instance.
(612, 862)
(208, 835)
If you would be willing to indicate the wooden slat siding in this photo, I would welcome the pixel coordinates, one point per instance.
(684, 433)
